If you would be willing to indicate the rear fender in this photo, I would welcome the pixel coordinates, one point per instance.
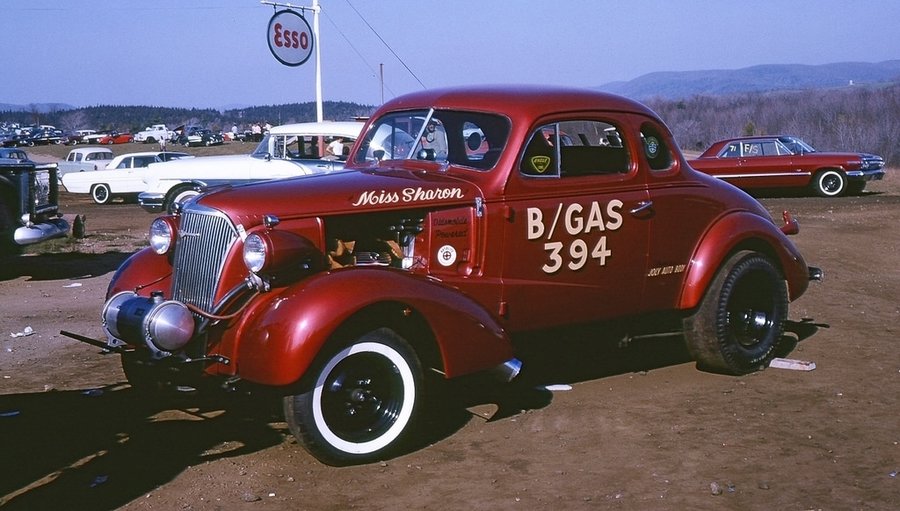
(742, 231)
(280, 338)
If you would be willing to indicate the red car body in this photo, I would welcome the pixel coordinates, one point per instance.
(785, 162)
(116, 138)
(526, 209)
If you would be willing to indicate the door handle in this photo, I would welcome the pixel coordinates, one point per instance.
(643, 206)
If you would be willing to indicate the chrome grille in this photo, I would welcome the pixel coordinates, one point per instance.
(204, 237)
(41, 197)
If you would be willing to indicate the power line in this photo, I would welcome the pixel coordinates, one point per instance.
(386, 44)
(360, 55)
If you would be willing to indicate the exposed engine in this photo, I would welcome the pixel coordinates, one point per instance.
(378, 241)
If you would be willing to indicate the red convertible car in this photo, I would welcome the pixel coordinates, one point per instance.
(117, 138)
(780, 162)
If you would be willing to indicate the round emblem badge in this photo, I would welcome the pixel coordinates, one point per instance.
(446, 255)
(651, 146)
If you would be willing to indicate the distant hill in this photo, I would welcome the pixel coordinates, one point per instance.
(763, 78)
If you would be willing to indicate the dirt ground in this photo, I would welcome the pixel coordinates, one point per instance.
(632, 428)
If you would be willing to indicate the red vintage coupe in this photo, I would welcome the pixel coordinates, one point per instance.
(783, 162)
(464, 221)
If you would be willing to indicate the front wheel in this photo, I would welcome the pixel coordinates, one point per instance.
(101, 193)
(362, 401)
(180, 195)
(830, 183)
(738, 327)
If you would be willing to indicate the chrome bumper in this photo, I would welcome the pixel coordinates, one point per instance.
(866, 175)
(36, 233)
(151, 202)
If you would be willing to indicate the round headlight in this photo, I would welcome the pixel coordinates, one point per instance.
(254, 253)
(162, 236)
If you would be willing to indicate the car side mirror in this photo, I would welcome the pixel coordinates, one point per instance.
(378, 154)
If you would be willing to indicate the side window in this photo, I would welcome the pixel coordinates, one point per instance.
(657, 152)
(575, 148)
(732, 150)
(144, 161)
(541, 154)
(752, 149)
(769, 148)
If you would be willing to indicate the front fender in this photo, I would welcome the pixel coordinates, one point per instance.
(737, 231)
(280, 337)
(143, 272)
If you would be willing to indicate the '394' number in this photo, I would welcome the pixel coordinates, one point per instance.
(578, 254)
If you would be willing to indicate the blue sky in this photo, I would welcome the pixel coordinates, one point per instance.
(214, 53)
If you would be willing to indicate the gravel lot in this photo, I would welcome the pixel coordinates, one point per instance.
(633, 428)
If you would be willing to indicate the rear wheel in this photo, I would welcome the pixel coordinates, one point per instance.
(738, 327)
(100, 193)
(362, 400)
(829, 183)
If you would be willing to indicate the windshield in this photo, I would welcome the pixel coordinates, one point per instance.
(469, 139)
(289, 147)
(796, 145)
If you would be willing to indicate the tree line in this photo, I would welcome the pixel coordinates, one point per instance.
(855, 118)
(135, 118)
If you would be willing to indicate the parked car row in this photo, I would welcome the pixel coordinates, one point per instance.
(32, 137)
(123, 176)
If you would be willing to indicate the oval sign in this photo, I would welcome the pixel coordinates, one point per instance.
(290, 38)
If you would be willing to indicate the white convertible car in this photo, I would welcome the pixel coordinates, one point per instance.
(285, 151)
(124, 175)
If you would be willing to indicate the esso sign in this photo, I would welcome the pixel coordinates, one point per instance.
(290, 38)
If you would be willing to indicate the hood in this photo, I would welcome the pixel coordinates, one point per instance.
(199, 160)
(339, 193)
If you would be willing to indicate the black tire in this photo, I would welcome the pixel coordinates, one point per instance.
(179, 194)
(829, 183)
(361, 402)
(856, 188)
(8, 246)
(738, 327)
(144, 377)
(101, 194)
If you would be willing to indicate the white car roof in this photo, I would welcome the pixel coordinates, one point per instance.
(143, 153)
(86, 150)
(348, 129)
